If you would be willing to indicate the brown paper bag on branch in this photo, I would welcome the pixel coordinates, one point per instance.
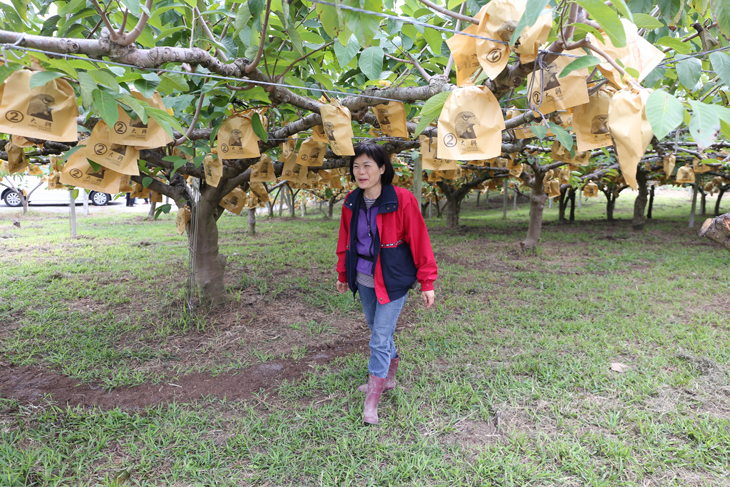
(236, 138)
(549, 93)
(139, 191)
(470, 125)
(429, 162)
(135, 133)
(337, 123)
(78, 173)
(319, 135)
(630, 129)
(685, 175)
(183, 217)
(263, 170)
(294, 172)
(590, 121)
(55, 163)
(311, 153)
(34, 170)
(260, 191)
(20, 141)
(560, 153)
(213, 168)
(54, 180)
(16, 159)
(120, 158)
(47, 112)
(125, 183)
(698, 167)
(668, 162)
(234, 201)
(590, 190)
(391, 116)
(464, 50)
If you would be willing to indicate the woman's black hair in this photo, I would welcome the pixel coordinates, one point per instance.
(377, 154)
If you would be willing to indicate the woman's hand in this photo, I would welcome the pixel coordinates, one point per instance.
(341, 287)
(428, 298)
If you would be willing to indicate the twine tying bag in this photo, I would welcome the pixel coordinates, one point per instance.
(133, 132)
(558, 93)
(685, 175)
(590, 190)
(120, 158)
(213, 168)
(16, 159)
(337, 124)
(260, 191)
(311, 153)
(630, 129)
(498, 20)
(470, 125)
(668, 163)
(47, 112)
(590, 121)
(391, 116)
(464, 50)
(638, 53)
(234, 201)
(263, 170)
(183, 217)
(236, 138)
(78, 173)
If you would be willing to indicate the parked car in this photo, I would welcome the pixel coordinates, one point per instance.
(44, 196)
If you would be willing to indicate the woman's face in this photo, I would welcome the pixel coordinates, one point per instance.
(366, 171)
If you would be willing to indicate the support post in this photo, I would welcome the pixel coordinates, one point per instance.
(418, 179)
(580, 200)
(514, 202)
(86, 202)
(504, 200)
(694, 206)
(72, 212)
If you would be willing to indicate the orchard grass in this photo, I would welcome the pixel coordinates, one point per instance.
(506, 381)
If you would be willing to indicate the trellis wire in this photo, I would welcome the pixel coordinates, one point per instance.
(193, 245)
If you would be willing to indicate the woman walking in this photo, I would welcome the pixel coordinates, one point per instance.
(383, 251)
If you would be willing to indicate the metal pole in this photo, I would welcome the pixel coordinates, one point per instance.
(86, 203)
(504, 199)
(72, 212)
(417, 179)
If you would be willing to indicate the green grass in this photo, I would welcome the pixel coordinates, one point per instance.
(505, 382)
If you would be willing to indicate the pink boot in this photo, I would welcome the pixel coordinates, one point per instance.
(375, 390)
(390, 380)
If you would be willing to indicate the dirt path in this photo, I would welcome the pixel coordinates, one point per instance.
(33, 384)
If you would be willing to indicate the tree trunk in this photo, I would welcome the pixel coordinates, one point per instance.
(209, 264)
(331, 208)
(640, 203)
(718, 230)
(151, 213)
(651, 203)
(479, 193)
(694, 206)
(572, 204)
(703, 202)
(537, 205)
(719, 199)
(252, 221)
(562, 205)
(453, 206)
(24, 201)
(610, 203)
(270, 208)
(292, 197)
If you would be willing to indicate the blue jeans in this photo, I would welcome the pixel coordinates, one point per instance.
(381, 320)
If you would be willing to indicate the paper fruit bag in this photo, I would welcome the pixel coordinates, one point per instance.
(668, 163)
(20, 141)
(318, 134)
(47, 112)
(560, 153)
(289, 149)
(155, 197)
(685, 175)
(78, 173)
(630, 129)
(236, 138)
(311, 153)
(549, 93)
(234, 201)
(183, 217)
(470, 125)
(140, 191)
(16, 158)
(464, 50)
(213, 168)
(590, 121)
(590, 190)
(34, 170)
(120, 158)
(391, 116)
(133, 132)
(294, 172)
(698, 167)
(54, 180)
(260, 191)
(125, 183)
(263, 170)
(337, 124)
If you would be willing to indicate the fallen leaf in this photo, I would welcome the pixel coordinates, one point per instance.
(619, 367)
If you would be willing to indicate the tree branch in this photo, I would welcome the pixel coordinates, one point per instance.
(182, 139)
(221, 55)
(112, 33)
(448, 12)
(447, 69)
(264, 28)
(281, 76)
(128, 39)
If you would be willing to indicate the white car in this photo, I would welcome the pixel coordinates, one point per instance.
(42, 195)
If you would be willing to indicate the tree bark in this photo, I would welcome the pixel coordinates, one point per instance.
(453, 206)
(640, 203)
(572, 205)
(651, 203)
(209, 264)
(151, 213)
(718, 230)
(331, 208)
(719, 199)
(537, 205)
(703, 201)
(252, 221)
(562, 205)
(610, 203)
(292, 196)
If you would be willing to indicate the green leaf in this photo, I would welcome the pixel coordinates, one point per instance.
(431, 110)
(434, 40)
(71, 151)
(689, 72)
(624, 9)
(106, 105)
(148, 84)
(580, 63)
(534, 9)
(669, 8)
(6, 71)
(132, 6)
(721, 65)
(163, 209)
(104, 78)
(563, 135)
(166, 121)
(539, 130)
(75, 193)
(674, 43)
(345, 54)
(607, 18)
(42, 77)
(258, 127)
(455, 3)
(177, 161)
(704, 124)
(242, 17)
(135, 105)
(255, 6)
(93, 165)
(646, 21)
(664, 112)
(371, 62)
(146, 181)
(721, 12)
(588, 29)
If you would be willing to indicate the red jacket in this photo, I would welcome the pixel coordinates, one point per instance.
(405, 250)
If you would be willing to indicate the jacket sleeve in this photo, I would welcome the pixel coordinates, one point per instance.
(342, 242)
(419, 242)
